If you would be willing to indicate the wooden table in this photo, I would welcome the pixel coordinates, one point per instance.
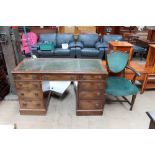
(121, 46)
(89, 73)
(152, 119)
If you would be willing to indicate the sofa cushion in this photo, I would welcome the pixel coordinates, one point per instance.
(61, 52)
(48, 38)
(64, 38)
(111, 37)
(89, 52)
(45, 54)
(89, 40)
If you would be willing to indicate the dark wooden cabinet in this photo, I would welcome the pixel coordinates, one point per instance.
(108, 30)
(4, 86)
(151, 35)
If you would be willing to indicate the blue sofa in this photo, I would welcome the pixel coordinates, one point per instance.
(57, 40)
(88, 46)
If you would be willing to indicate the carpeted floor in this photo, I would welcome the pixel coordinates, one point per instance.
(61, 114)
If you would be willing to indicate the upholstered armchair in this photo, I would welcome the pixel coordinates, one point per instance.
(87, 46)
(118, 86)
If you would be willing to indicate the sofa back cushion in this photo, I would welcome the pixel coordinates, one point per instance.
(112, 37)
(48, 38)
(88, 40)
(64, 38)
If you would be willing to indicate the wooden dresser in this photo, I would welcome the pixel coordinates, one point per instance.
(89, 73)
(4, 86)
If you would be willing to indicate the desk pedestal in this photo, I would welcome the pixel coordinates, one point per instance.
(89, 93)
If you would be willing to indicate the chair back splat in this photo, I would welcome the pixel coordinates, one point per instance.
(117, 61)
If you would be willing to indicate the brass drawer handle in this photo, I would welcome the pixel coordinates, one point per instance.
(45, 77)
(38, 104)
(20, 85)
(98, 85)
(18, 77)
(83, 77)
(34, 77)
(35, 86)
(36, 94)
(72, 77)
(24, 104)
(98, 93)
(100, 77)
(22, 94)
(97, 105)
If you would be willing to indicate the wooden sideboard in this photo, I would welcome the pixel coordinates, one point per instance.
(30, 73)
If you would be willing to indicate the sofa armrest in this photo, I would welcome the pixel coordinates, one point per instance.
(99, 45)
(79, 44)
(71, 45)
(35, 46)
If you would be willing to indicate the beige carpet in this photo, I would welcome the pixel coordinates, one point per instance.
(61, 114)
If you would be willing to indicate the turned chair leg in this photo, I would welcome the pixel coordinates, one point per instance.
(132, 102)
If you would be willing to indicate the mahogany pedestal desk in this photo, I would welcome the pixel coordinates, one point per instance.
(89, 73)
(121, 46)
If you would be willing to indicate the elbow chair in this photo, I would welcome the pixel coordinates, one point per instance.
(118, 86)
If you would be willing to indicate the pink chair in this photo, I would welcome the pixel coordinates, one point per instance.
(32, 39)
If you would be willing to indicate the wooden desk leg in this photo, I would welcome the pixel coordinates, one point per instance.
(152, 125)
(144, 84)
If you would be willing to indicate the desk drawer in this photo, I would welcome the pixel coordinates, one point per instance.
(31, 104)
(90, 104)
(91, 85)
(28, 85)
(59, 77)
(98, 94)
(26, 77)
(92, 77)
(27, 94)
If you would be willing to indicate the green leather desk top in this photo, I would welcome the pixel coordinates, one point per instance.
(60, 65)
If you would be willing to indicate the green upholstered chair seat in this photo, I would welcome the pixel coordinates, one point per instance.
(118, 86)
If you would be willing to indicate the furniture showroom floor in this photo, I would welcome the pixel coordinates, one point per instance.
(62, 114)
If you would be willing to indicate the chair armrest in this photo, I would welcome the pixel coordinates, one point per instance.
(135, 72)
(99, 45)
(79, 44)
(35, 46)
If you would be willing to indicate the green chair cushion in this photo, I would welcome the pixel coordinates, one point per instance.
(117, 61)
(118, 86)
